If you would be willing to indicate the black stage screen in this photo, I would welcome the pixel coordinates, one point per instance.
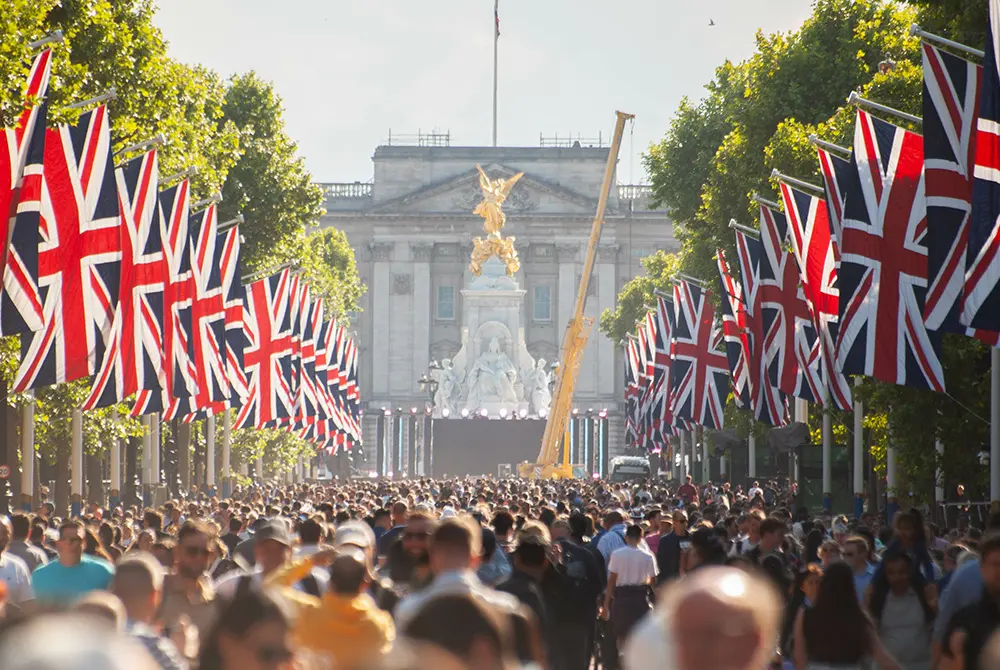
(478, 446)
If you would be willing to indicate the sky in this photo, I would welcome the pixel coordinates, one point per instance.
(349, 71)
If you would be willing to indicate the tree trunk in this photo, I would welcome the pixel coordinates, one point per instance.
(184, 456)
(61, 494)
(95, 480)
(13, 448)
(132, 447)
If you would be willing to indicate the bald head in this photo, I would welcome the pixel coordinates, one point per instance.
(719, 604)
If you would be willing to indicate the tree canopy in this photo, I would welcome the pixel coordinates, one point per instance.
(232, 131)
(757, 115)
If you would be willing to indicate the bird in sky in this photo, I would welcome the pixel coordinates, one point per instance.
(711, 22)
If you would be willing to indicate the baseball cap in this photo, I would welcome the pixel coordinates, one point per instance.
(354, 534)
(274, 530)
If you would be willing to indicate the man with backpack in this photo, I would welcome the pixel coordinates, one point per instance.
(576, 609)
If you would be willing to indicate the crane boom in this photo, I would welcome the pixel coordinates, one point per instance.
(552, 464)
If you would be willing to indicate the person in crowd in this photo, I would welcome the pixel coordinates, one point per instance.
(855, 553)
(672, 547)
(718, 617)
(530, 559)
(408, 561)
(20, 546)
(347, 630)
(631, 573)
(73, 574)
(835, 632)
(232, 536)
(273, 550)
(253, 632)
(769, 556)
(748, 542)
(188, 594)
(688, 492)
(829, 552)
(138, 583)
(13, 570)
(615, 537)
(454, 554)
(400, 513)
(104, 607)
(470, 634)
(576, 610)
(971, 628)
(903, 606)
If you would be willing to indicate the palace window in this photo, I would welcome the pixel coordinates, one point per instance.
(446, 303)
(541, 303)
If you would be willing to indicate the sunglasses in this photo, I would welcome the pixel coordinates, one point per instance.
(197, 551)
(274, 655)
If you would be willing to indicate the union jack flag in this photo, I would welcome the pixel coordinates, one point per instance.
(883, 270)
(207, 344)
(177, 377)
(700, 373)
(647, 371)
(767, 401)
(632, 391)
(22, 154)
(951, 106)
(78, 257)
(135, 348)
(662, 413)
(352, 393)
(834, 170)
(791, 346)
(736, 332)
(309, 401)
(235, 334)
(817, 263)
(267, 358)
(981, 308)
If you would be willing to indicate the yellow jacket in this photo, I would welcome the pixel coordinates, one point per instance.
(349, 630)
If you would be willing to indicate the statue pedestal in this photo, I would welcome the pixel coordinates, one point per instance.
(493, 306)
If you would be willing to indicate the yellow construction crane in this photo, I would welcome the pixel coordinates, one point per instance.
(551, 464)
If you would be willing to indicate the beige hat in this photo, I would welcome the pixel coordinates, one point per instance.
(355, 534)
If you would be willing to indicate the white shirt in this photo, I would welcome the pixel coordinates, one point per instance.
(633, 567)
(15, 573)
(754, 491)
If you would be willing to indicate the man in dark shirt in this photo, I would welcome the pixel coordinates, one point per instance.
(400, 512)
(530, 560)
(972, 627)
(232, 538)
(672, 547)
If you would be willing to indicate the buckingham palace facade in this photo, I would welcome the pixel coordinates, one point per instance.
(411, 227)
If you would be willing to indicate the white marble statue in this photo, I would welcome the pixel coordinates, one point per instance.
(536, 387)
(449, 388)
(492, 378)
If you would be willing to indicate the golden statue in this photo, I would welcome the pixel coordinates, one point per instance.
(491, 209)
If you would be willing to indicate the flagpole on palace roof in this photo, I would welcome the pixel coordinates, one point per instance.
(496, 41)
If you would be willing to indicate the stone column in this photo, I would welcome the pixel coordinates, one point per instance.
(566, 296)
(607, 295)
(381, 291)
(423, 306)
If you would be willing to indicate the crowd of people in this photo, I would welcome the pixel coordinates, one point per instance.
(487, 573)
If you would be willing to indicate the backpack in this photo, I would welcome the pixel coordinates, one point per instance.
(581, 587)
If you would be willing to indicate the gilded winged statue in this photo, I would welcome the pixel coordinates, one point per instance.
(491, 208)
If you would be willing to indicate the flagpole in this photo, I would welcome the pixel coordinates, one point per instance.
(496, 41)
(859, 452)
(994, 424)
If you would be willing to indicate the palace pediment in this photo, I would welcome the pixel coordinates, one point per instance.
(460, 195)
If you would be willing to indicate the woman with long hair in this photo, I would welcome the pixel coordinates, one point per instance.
(909, 535)
(804, 594)
(253, 632)
(835, 633)
(814, 540)
(903, 605)
(92, 546)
